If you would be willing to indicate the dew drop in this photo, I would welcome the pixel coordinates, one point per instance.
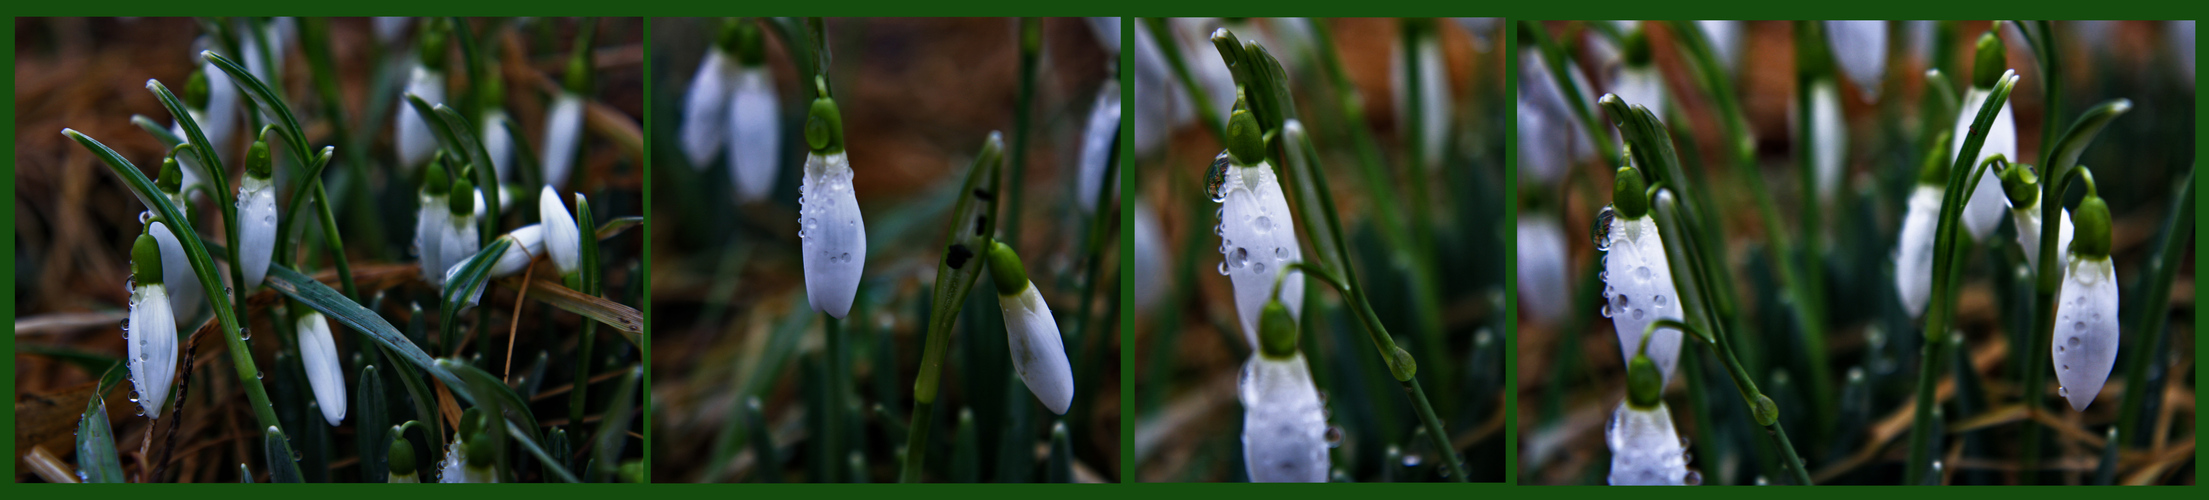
(1639, 312)
(1258, 267)
(1334, 436)
(1412, 460)
(1692, 478)
(1601, 231)
(2073, 342)
(1239, 258)
(2078, 325)
(1223, 268)
(1280, 253)
(1642, 274)
(2066, 366)
(1263, 223)
(2063, 391)
(1606, 310)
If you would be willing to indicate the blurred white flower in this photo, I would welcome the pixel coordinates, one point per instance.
(2028, 232)
(1098, 143)
(755, 133)
(1284, 425)
(563, 136)
(705, 104)
(1860, 48)
(1830, 135)
(498, 143)
(1645, 449)
(1545, 284)
(1434, 93)
(1984, 212)
(414, 138)
(1914, 258)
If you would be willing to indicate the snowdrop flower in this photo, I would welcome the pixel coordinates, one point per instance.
(151, 331)
(185, 292)
(755, 125)
(430, 221)
(1914, 253)
(211, 99)
(318, 352)
(459, 238)
(1544, 272)
(523, 246)
(257, 214)
(1099, 140)
(1562, 139)
(1645, 449)
(2022, 189)
(2086, 309)
(1637, 277)
(275, 37)
(1861, 49)
(400, 461)
(833, 236)
(1107, 30)
(1284, 424)
(564, 240)
(425, 80)
(1829, 135)
(1434, 93)
(705, 103)
(469, 458)
(1038, 355)
(498, 142)
(1257, 235)
(1638, 80)
(1984, 211)
(564, 123)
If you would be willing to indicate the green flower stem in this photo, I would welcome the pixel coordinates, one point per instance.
(311, 183)
(1399, 362)
(2177, 234)
(2061, 168)
(974, 220)
(1760, 406)
(1171, 47)
(1696, 305)
(1031, 48)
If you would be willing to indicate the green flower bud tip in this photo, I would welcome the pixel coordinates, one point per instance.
(145, 260)
(579, 71)
(463, 198)
(2092, 223)
(1637, 49)
(172, 176)
(824, 126)
(471, 422)
(1644, 384)
(2022, 186)
(1277, 330)
(742, 38)
(195, 90)
(1245, 142)
(1629, 194)
(480, 450)
(401, 458)
(435, 181)
(257, 161)
(1988, 63)
(432, 49)
(1005, 268)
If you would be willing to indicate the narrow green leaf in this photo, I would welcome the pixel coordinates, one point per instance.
(551, 462)
(96, 455)
(613, 427)
(168, 140)
(614, 227)
(282, 467)
(1061, 469)
(370, 421)
(767, 459)
(265, 97)
(210, 162)
(972, 226)
(467, 283)
(625, 320)
(489, 386)
(322, 298)
(2082, 132)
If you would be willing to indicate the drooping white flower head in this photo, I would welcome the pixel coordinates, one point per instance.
(276, 35)
(1860, 48)
(1545, 285)
(1434, 92)
(257, 215)
(1830, 132)
(151, 331)
(1257, 239)
(400, 462)
(1984, 212)
(459, 239)
(1151, 273)
(318, 352)
(1038, 354)
(415, 140)
(431, 217)
(523, 246)
(1098, 142)
(1284, 424)
(833, 236)
(1914, 253)
(755, 133)
(185, 293)
(1637, 276)
(2086, 309)
(563, 240)
(563, 137)
(705, 108)
(1645, 449)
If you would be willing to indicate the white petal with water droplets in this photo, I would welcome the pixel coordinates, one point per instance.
(1284, 425)
(1038, 354)
(563, 131)
(563, 240)
(1914, 256)
(1638, 291)
(1984, 211)
(416, 142)
(704, 105)
(456, 459)
(318, 353)
(256, 227)
(151, 334)
(1860, 48)
(1645, 449)
(1830, 131)
(2086, 329)
(1257, 239)
(185, 293)
(755, 134)
(833, 236)
(220, 120)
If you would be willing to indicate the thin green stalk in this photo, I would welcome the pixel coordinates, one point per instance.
(971, 228)
(1760, 406)
(832, 414)
(1814, 225)
(2162, 268)
(1171, 47)
(1399, 362)
(1031, 48)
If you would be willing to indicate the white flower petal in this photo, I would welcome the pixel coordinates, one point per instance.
(1284, 425)
(1097, 140)
(1914, 258)
(1107, 30)
(256, 227)
(528, 243)
(1830, 132)
(1860, 48)
(318, 352)
(2028, 233)
(1984, 211)
(1151, 273)
(563, 133)
(1545, 286)
(414, 138)
(220, 120)
(562, 239)
(429, 238)
(704, 105)
(755, 134)
(498, 143)
(456, 459)
(1038, 355)
(151, 334)
(2086, 329)
(1257, 239)
(458, 241)
(1645, 450)
(833, 236)
(1638, 291)
(389, 28)
(185, 293)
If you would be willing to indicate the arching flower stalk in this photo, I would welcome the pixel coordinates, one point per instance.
(426, 80)
(564, 122)
(1637, 277)
(2022, 189)
(1984, 211)
(755, 119)
(1861, 49)
(1038, 354)
(832, 234)
(318, 352)
(1099, 140)
(257, 213)
(2086, 312)
(1257, 234)
(1284, 423)
(433, 214)
(1645, 448)
(458, 240)
(400, 460)
(185, 293)
(151, 331)
(1914, 249)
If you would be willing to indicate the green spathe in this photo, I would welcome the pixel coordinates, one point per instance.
(1005, 269)
(257, 161)
(824, 126)
(172, 176)
(1629, 194)
(1644, 384)
(195, 91)
(145, 261)
(401, 457)
(2092, 223)
(463, 199)
(1246, 144)
(2021, 185)
(1277, 330)
(434, 180)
